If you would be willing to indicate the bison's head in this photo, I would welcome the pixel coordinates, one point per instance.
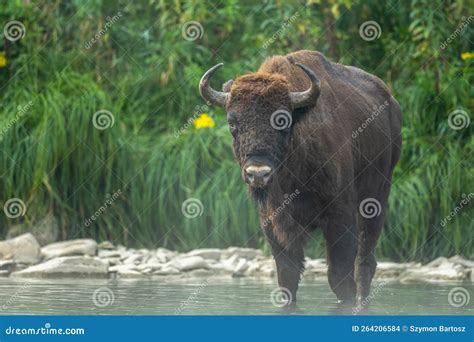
(260, 109)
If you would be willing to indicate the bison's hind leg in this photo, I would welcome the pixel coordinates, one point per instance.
(341, 249)
(370, 225)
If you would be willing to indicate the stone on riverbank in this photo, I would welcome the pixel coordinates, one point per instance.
(45, 230)
(442, 270)
(22, 249)
(207, 253)
(69, 248)
(246, 253)
(76, 258)
(189, 263)
(66, 267)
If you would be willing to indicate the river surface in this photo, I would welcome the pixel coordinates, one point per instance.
(215, 296)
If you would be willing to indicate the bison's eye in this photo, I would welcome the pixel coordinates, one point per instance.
(233, 128)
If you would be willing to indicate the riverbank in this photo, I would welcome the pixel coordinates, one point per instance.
(23, 257)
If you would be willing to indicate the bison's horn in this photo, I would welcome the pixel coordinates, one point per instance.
(307, 97)
(210, 95)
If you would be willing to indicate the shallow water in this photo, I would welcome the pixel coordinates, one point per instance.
(200, 296)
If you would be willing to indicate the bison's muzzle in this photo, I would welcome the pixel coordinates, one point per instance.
(257, 174)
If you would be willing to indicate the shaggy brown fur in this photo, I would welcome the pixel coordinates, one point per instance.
(320, 157)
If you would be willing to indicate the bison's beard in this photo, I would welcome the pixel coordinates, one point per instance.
(259, 195)
(272, 190)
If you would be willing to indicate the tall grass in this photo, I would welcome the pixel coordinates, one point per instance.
(57, 162)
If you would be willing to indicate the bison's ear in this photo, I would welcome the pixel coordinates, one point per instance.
(226, 86)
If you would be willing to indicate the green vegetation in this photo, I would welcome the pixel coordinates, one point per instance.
(143, 70)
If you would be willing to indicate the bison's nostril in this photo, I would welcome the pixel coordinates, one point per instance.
(258, 171)
(258, 174)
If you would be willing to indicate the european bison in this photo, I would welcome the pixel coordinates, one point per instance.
(317, 143)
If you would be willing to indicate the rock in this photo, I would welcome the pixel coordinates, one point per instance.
(436, 262)
(22, 249)
(151, 266)
(189, 263)
(461, 261)
(254, 267)
(242, 265)
(133, 259)
(444, 272)
(165, 255)
(45, 231)
(121, 248)
(200, 273)
(207, 253)
(7, 264)
(221, 267)
(167, 270)
(240, 268)
(69, 248)
(472, 275)
(247, 253)
(154, 260)
(120, 268)
(144, 251)
(316, 267)
(268, 271)
(228, 265)
(389, 269)
(146, 258)
(62, 267)
(106, 245)
(104, 253)
(112, 261)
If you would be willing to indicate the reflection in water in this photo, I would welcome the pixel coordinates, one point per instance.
(213, 296)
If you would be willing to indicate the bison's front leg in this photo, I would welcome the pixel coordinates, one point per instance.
(290, 265)
(341, 248)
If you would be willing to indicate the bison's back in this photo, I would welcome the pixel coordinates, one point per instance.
(359, 117)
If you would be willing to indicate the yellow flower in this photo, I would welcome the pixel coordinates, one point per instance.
(3, 60)
(204, 121)
(467, 55)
